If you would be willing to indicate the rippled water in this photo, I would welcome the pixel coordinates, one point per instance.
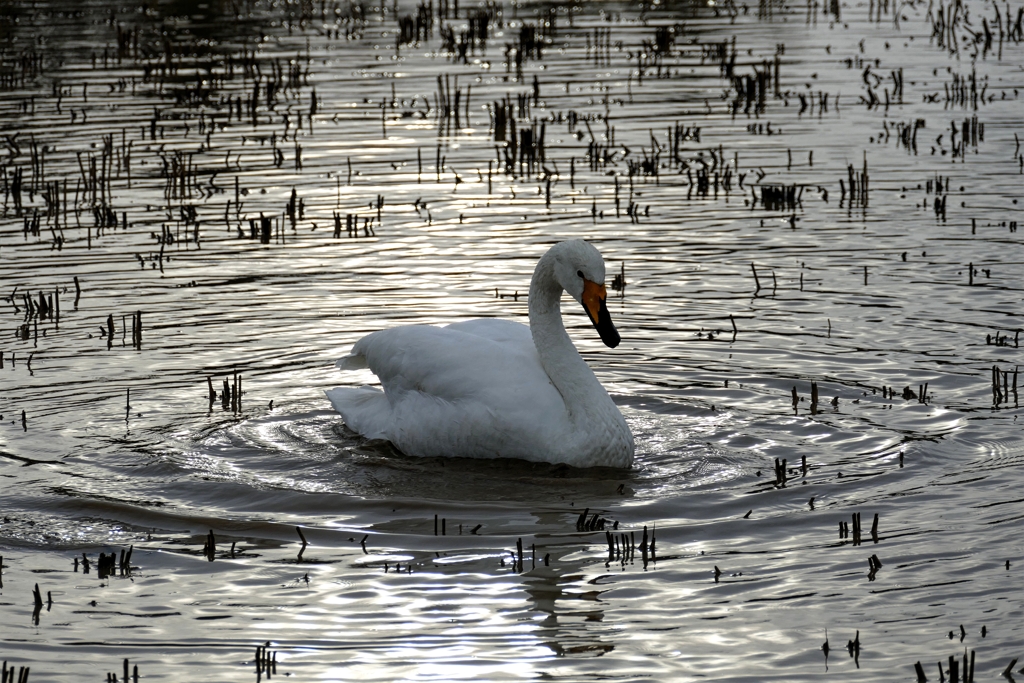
(411, 571)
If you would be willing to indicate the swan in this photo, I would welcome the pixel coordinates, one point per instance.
(494, 388)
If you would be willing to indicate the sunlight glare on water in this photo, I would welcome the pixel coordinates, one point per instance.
(803, 200)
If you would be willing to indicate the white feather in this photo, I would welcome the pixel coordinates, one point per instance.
(492, 388)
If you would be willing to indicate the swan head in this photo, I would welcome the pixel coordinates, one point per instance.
(579, 269)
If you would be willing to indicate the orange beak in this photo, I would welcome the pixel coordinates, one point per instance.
(594, 296)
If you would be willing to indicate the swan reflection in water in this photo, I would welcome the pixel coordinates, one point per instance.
(562, 599)
(574, 621)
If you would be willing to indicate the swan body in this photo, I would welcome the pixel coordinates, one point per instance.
(495, 388)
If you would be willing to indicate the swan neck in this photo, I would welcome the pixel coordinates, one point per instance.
(561, 361)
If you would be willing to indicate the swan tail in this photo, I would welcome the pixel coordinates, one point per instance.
(366, 410)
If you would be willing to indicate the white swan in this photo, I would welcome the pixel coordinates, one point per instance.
(494, 388)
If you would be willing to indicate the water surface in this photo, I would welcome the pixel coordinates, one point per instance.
(915, 283)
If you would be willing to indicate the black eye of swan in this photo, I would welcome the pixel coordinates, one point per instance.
(580, 273)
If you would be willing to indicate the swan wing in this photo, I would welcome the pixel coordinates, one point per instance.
(474, 389)
(498, 330)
